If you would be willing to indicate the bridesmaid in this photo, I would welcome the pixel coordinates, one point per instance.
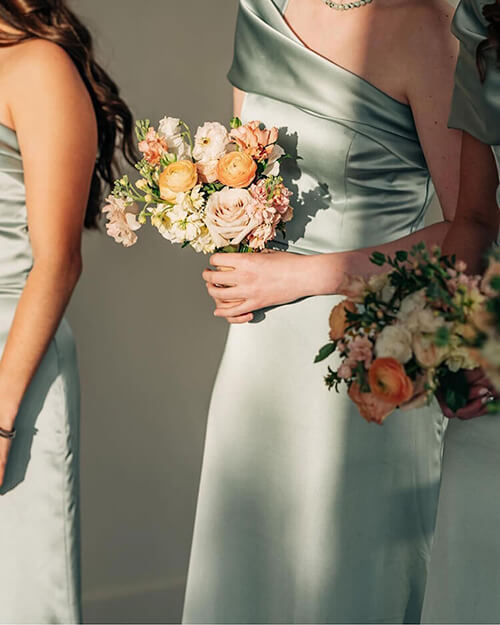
(306, 513)
(464, 577)
(60, 115)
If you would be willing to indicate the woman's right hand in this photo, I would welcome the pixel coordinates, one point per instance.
(481, 393)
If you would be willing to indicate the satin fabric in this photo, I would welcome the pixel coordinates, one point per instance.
(306, 513)
(39, 533)
(464, 577)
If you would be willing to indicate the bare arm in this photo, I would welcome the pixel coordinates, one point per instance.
(51, 111)
(477, 220)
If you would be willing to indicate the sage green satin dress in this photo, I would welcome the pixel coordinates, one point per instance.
(39, 546)
(306, 513)
(464, 578)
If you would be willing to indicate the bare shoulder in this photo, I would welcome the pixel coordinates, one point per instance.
(36, 60)
(427, 29)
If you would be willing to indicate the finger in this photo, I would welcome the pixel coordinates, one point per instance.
(447, 411)
(225, 260)
(479, 390)
(474, 409)
(235, 311)
(225, 278)
(241, 319)
(226, 294)
(476, 376)
(220, 303)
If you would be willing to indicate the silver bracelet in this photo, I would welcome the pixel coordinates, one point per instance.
(9, 434)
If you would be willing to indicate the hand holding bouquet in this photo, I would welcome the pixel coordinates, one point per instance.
(404, 334)
(218, 191)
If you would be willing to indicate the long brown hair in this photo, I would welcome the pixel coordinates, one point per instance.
(54, 21)
(491, 13)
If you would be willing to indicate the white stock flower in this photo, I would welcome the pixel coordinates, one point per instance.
(394, 342)
(170, 129)
(210, 142)
(122, 220)
(203, 242)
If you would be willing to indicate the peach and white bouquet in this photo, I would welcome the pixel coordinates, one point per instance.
(402, 335)
(217, 191)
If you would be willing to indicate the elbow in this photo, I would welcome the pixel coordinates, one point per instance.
(64, 269)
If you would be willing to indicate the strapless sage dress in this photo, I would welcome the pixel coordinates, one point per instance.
(306, 513)
(39, 560)
(464, 578)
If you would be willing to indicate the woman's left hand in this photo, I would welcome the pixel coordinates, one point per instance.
(244, 283)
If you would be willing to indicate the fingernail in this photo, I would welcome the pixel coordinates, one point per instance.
(483, 391)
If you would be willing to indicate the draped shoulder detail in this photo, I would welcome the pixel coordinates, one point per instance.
(475, 105)
(270, 60)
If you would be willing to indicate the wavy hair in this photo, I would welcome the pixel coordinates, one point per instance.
(53, 21)
(491, 13)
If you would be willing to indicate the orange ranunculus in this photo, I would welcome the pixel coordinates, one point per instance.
(236, 169)
(371, 407)
(257, 142)
(338, 319)
(178, 177)
(388, 381)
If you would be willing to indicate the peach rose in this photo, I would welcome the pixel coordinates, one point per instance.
(338, 319)
(178, 177)
(255, 141)
(427, 353)
(388, 381)
(230, 216)
(371, 407)
(353, 287)
(236, 169)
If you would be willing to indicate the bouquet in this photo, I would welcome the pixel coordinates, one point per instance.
(402, 335)
(217, 191)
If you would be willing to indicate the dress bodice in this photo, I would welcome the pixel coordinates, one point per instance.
(476, 104)
(361, 178)
(16, 257)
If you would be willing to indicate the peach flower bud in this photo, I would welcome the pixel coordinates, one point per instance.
(389, 382)
(371, 407)
(178, 177)
(338, 319)
(236, 169)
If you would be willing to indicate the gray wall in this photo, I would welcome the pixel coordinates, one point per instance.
(148, 343)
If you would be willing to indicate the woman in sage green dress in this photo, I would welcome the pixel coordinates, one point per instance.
(306, 513)
(464, 576)
(51, 95)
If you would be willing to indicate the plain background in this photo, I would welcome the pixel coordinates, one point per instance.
(148, 343)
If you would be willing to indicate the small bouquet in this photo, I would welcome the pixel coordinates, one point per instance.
(218, 191)
(402, 335)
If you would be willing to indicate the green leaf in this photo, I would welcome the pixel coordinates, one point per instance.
(377, 258)
(236, 122)
(495, 283)
(402, 256)
(454, 389)
(442, 336)
(325, 351)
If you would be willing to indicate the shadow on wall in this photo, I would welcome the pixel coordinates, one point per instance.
(149, 346)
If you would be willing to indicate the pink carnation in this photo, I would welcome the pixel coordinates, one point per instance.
(360, 350)
(257, 142)
(153, 147)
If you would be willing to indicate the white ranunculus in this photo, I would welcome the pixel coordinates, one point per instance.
(273, 164)
(170, 129)
(394, 342)
(210, 142)
(231, 214)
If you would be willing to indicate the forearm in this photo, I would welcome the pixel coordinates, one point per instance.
(469, 239)
(325, 271)
(38, 314)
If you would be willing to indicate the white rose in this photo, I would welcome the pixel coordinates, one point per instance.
(411, 304)
(231, 214)
(170, 129)
(394, 342)
(210, 142)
